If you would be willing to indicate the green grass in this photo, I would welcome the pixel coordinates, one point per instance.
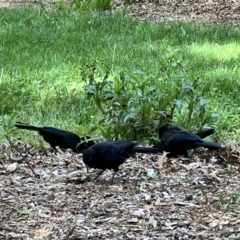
(42, 53)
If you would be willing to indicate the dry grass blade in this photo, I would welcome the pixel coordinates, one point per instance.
(163, 158)
(7, 229)
(69, 233)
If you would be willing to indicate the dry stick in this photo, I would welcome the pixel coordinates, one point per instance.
(159, 209)
(70, 232)
(12, 193)
(24, 157)
(160, 219)
(222, 158)
(7, 229)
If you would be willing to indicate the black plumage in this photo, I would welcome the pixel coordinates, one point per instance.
(205, 133)
(202, 135)
(61, 138)
(110, 155)
(178, 142)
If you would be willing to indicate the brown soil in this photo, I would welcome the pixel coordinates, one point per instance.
(152, 197)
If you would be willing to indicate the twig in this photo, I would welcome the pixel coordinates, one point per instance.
(7, 229)
(14, 194)
(23, 157)
(70, 232)
(160, 219)
(222, 158)
(86, 228)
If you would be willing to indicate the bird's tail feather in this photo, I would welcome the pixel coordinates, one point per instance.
(26, 126)
(145, 150)
(209, 145)
(205, 133)
(159, 146)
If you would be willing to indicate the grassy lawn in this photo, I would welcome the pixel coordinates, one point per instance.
(188, 69)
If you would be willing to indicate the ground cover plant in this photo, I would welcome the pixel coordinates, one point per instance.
(105, 74)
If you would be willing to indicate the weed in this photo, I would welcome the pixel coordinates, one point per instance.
(132, 107)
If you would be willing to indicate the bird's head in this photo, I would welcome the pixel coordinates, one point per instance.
(89, 155)
(162, 130)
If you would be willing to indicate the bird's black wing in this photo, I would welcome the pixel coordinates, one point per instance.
(176, 137)
(121, 150)
(26, 126)
(209, 145)
(46, 130)
(205, 133)
(115, 152)
(59, 133)
(57, 137)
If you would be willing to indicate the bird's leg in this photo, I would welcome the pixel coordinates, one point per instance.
(110, 181)
(100, 173)
(54, 150)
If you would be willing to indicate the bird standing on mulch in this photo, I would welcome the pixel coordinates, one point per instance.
(110, 155)
(178, 142)
(61, 138)
(202, 135)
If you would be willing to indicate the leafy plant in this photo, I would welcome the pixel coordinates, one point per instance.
(132, 106)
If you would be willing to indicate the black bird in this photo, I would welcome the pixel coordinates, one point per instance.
(57, 137)
(178, 142)
(110, 155)
(202, 135)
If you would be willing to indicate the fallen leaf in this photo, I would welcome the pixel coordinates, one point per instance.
(153, 221)
(12, 167)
